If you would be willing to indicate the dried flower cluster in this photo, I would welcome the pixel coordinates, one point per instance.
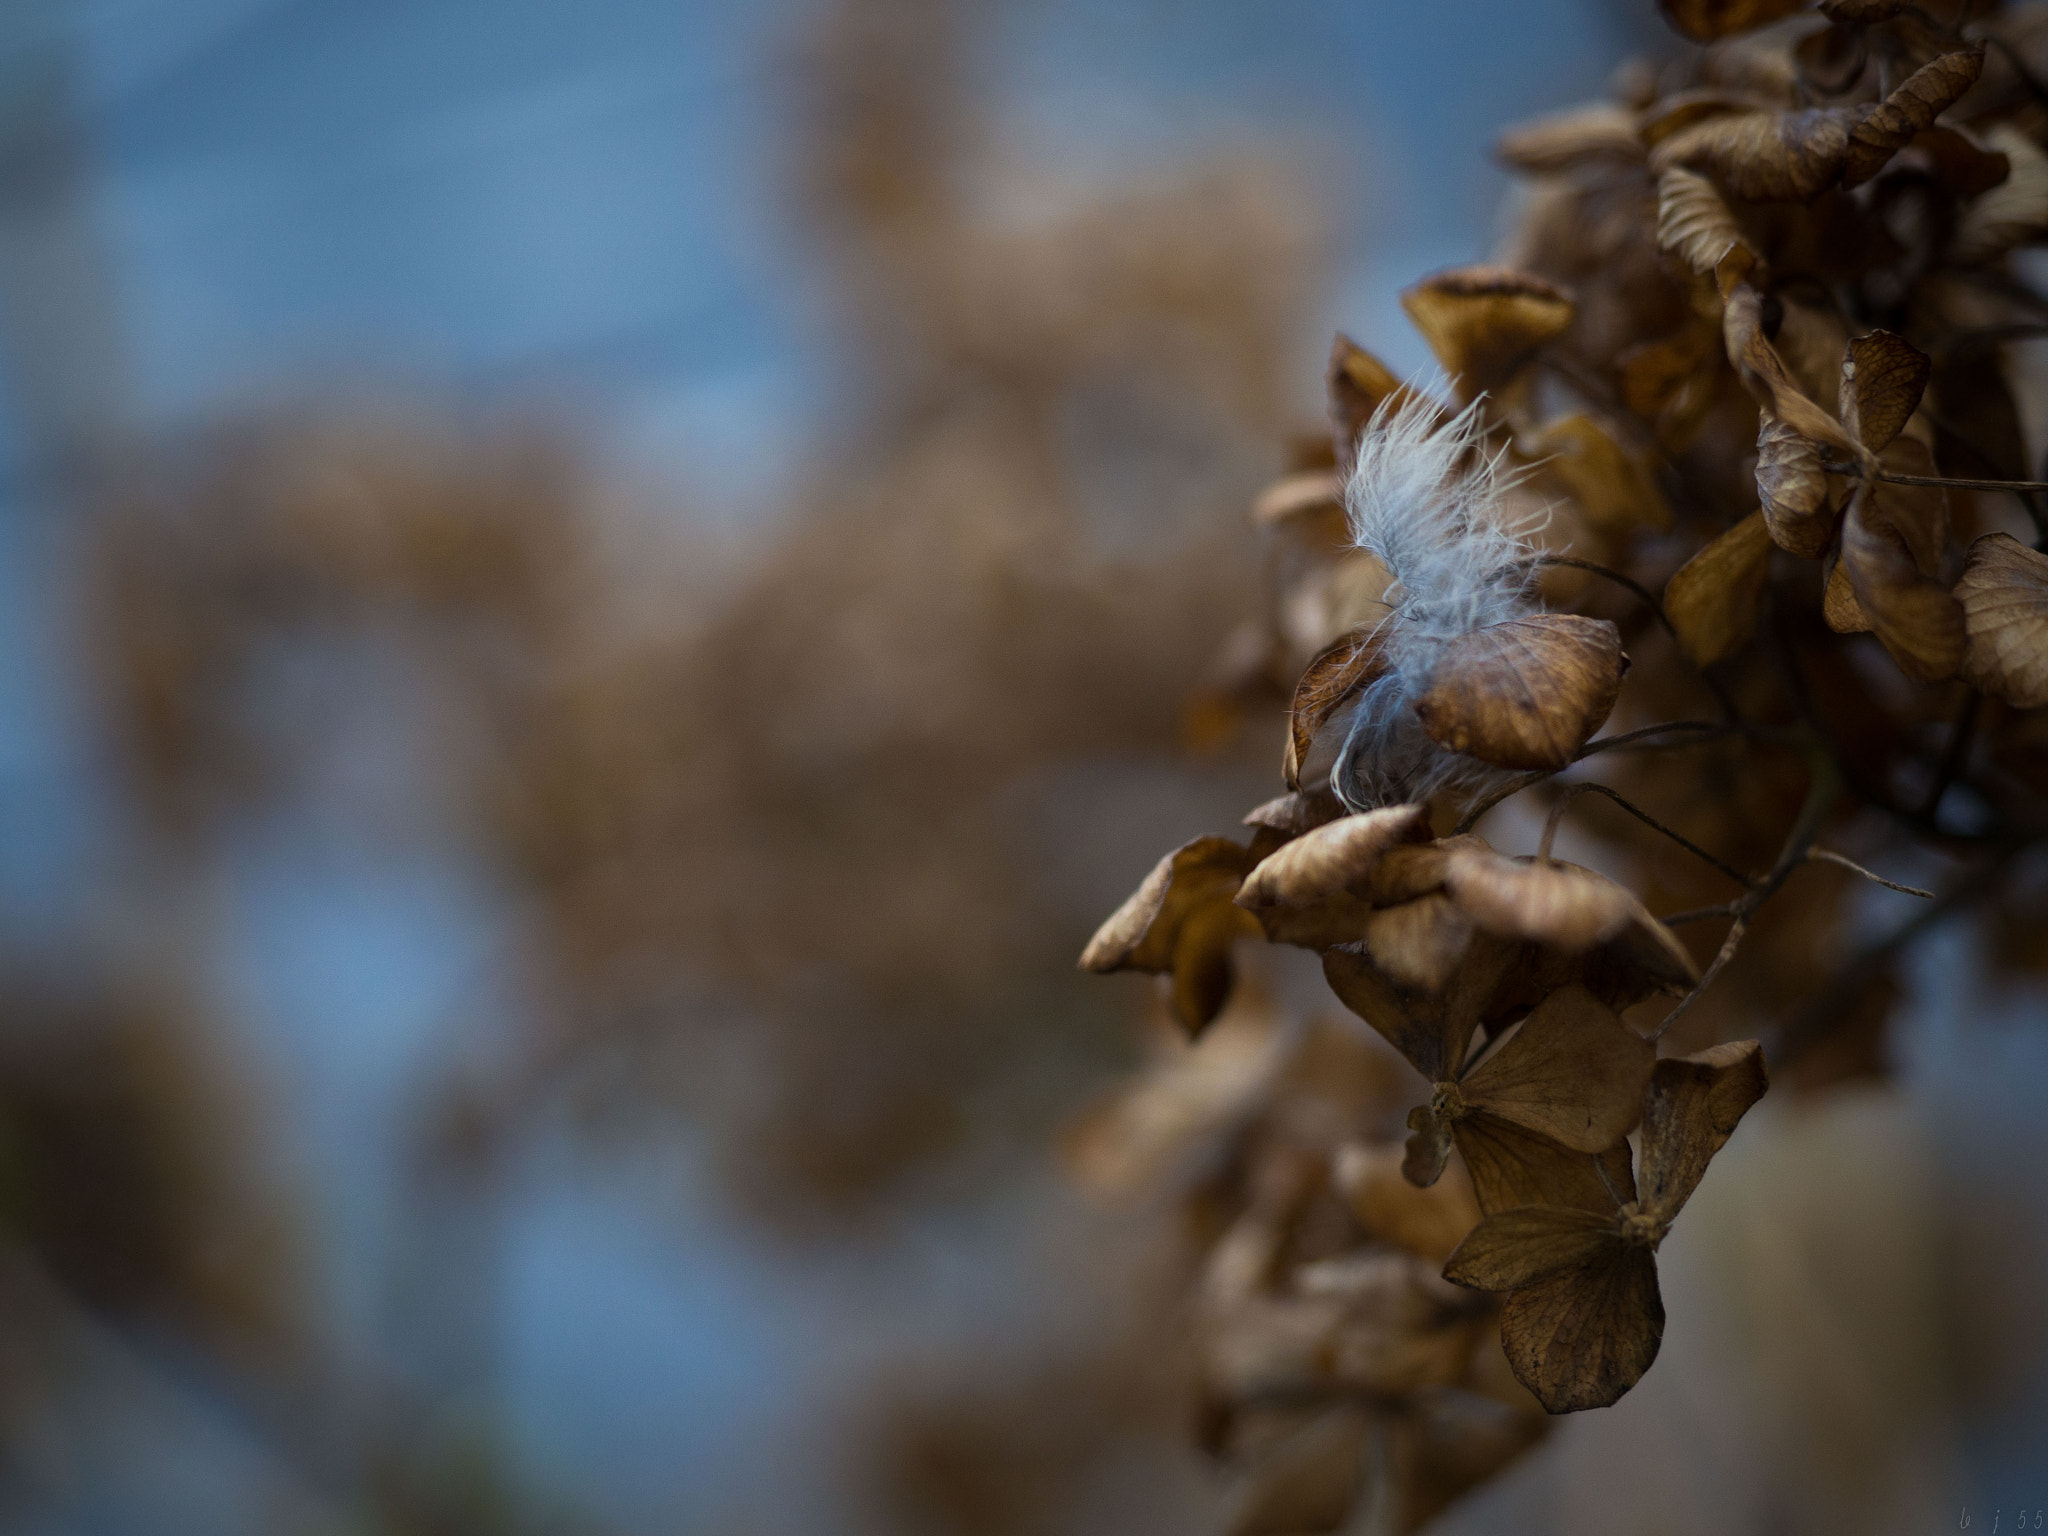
(1751, 343)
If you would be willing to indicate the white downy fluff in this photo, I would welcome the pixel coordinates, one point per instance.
(1433, 510)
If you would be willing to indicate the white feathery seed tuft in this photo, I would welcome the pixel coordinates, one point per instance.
(1431, 506)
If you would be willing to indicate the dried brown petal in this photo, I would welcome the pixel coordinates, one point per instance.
(1793, 489)
(2004, 595)
(1359, 385)
(1921, 97)
(1694, 224)
(1519, 1247)
(1407, 873)
(1419, 943)
(1484, 322)
(1572, 1072)
(1582, 1338)
(1607, 482)
(1694, 1105)
(1181, 920)
(1672, 383)
(1430, 1028)
(1838, 599)
(1705, 20)
(1288, 816)
(1305, 493)
(1428, 1223)
(1883, 376)
(1510, 1167)
(1916, 618)
(1336, 857)
(1527, 693)
(1546, 903)
(1428, 1149)
(1765, 157)
(1764, 375)
(1555, 144)
(1343, 667)
(1711, 600)
(1311, 891)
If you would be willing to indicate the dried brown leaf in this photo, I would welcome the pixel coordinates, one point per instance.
(1527, 693)
(1484, 322)
(1312, 891)
(1694, 1105)
(1712, 599)
(1428, 1223)
(1428, 1147)
(1419, 943)
(1765, 156)
(2004, 596)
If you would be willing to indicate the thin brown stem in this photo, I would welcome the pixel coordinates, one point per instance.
(1587, 787)
(1946, 482)
(1522, 781)
(1829, 856)
(1822, 789)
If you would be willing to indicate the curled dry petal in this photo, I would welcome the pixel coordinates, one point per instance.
(1484, 322)
(1181, 921)
(1694, 224)
(1792, 157)
(1705, 20)
(1694, 1105)
(2004, 595)
(1287, 816)
(1332, 859)
(1764, 375)
(1793, 489)
(1883, 377)
(1565, 140)
(1712, 599)
(1527, 693)
(1910, 109)
(1343, 667)
(1571, 910)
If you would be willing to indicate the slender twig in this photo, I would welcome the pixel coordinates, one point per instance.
(1831, 1001)
(1698, 914)
(1829, 856)
(1946, 482)
(1587, 787)
(1825, 784)
(1952, 759)
(1522, 781)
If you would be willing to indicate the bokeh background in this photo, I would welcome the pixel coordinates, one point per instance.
(594, 601)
